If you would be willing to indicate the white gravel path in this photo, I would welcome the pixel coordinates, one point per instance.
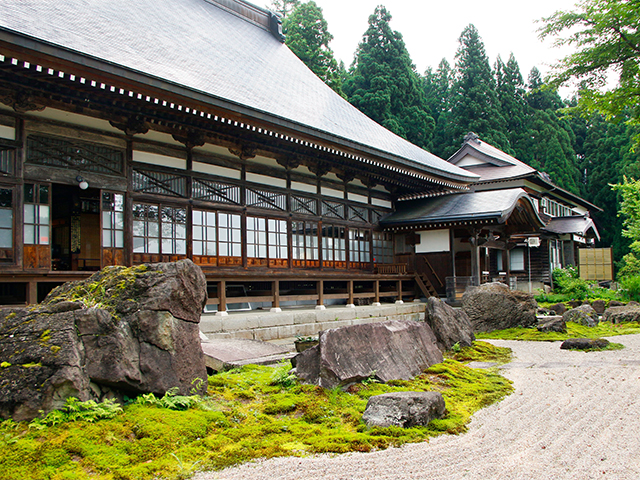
(573, 415)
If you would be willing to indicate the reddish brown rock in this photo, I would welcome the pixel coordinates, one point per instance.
(123, 331)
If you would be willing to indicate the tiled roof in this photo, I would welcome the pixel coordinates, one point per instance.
(580, 225)
(499, 165)
(485, 206)
(203, 48)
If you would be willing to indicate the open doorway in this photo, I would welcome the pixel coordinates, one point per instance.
(75, 220)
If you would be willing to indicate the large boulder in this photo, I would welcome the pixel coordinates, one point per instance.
(494, 306)
(123, 331)
(404, 409)
(392, 350)
(583, 315)
(623, 314)
(450, 325)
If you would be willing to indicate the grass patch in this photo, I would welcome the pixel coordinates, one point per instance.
(249, 413)
(574, 330)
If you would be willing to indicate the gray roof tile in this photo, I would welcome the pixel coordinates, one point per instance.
(199, 46)
(485, 205)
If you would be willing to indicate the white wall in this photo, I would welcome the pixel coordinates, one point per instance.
(433, 241)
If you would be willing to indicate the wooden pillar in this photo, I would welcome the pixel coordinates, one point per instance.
(475, 258)
(222, 298)
(350, 302)
(320, 290)
(376, 293)
(399, 298)
(32, 292)
(275, 293)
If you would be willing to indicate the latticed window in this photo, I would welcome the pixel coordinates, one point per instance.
(358, 214)
(159, 230)
(36, 214)
(334, 246)
(6, 225)
(112, 220)
(382, 247)
(174, 230)
(159, 183)
(267, 242)
(229, 235)
(265, 199)
(204, 233)
(304, 205)
(74, 154)
(305, 244)
(215, 191)
(7, 160)
(333, 209)
(359, 247)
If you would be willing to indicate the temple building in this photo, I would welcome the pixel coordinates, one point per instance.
(150, 131)
(145, 131)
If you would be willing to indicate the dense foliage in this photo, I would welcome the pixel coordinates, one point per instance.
(606, 38)
(383, 83)
(249, 413)
(584, 143)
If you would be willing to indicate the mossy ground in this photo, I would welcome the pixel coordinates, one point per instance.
(574, 330)
(249, 413)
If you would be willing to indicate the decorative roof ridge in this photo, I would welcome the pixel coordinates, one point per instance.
(261, 17)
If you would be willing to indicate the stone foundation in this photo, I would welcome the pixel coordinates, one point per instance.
(269, 326)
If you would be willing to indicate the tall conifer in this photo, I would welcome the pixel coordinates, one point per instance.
(384, 85)
(475, 106)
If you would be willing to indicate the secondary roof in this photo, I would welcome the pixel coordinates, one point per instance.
(196, 47)
(491, 206)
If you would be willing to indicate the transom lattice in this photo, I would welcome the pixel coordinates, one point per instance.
(81, 156)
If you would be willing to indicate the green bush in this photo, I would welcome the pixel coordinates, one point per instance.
(566, 281)
(631, 287)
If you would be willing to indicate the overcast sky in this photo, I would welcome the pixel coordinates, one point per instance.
(431, 28)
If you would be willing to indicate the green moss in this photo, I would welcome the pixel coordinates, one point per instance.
(55, 349)
(106, 288)
(574, 330)
(31, 365)
(11, 315)
(245, 416)
(45, 337)
(5, 364)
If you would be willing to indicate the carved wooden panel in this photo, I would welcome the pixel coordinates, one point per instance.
(205, 260)
(334, 264)
(6, 255)
(230, 261)
(112, 256)
(146, 258)
(278, 263)
(257, 262)
(37, 256)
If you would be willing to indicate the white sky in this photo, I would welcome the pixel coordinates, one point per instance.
(431, 28)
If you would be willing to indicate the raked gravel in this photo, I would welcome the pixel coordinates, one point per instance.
(573, 415)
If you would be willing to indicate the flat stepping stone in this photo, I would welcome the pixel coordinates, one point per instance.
(222, 355)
